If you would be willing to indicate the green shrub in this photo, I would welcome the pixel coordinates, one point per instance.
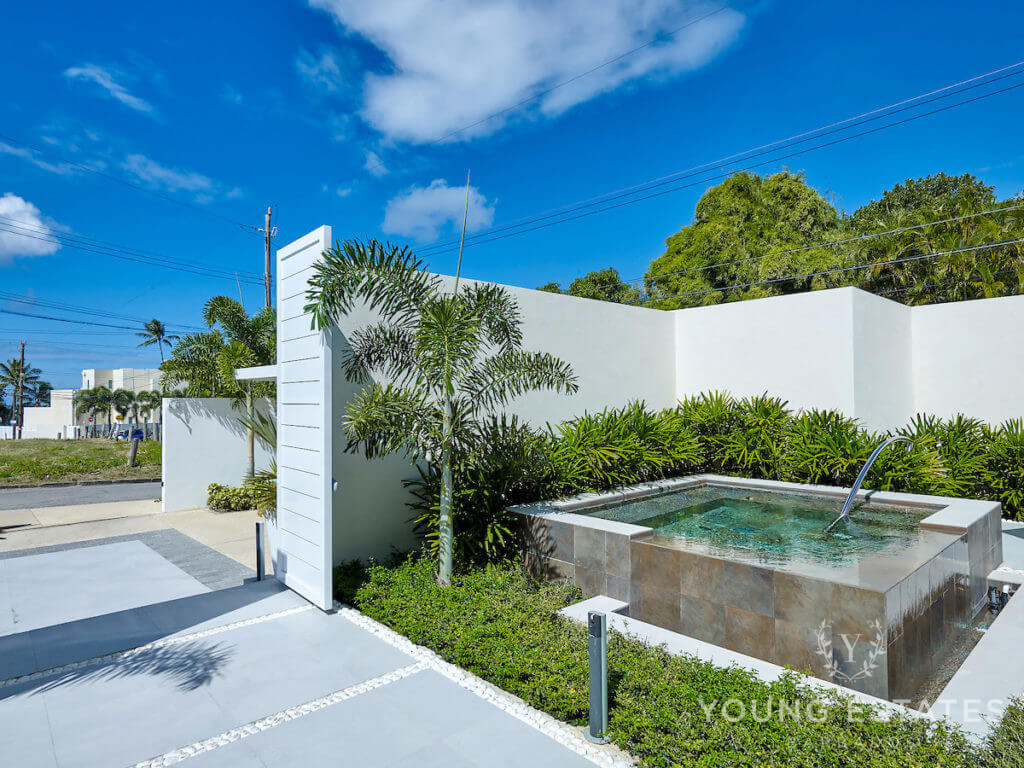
(503, 626)
(1005, 744)
(755, 444)
(225, 498)
(713, 417)
(1006, 466)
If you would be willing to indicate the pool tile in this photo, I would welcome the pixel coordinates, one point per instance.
(616, 558)
(589, 548)
(750, 633)
(802, 600)
(748, 586)
(796, 646)
(854, 609)
(702, 619)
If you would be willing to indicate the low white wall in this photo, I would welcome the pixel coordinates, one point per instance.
(50, 421)
(203, 443)
(969, 358)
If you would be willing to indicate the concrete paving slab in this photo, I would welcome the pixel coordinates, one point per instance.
(421, 720)
(107, 510)
(59, 587)
(34, 538)
(25, 733)
(221, 607)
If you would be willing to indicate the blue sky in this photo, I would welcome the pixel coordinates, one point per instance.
(332, 111)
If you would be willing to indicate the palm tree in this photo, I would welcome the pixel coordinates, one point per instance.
(450, 358)
(155, 332)
(125, 404)
(11, 373)
(94, 402)
(205, 363)
(39, 394)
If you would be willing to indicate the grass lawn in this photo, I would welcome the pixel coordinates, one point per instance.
(39, 461)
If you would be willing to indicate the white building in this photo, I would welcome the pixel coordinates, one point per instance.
(132, 379)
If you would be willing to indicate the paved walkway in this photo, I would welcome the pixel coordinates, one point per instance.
(119, 653)
(56, 496)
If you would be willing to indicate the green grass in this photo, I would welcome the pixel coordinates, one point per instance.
(502, 625)
(40, 461)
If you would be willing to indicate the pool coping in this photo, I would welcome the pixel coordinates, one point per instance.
(950, 515)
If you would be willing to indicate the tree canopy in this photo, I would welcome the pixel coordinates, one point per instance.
(753, 236)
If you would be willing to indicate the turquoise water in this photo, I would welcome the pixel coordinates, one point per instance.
(775, 527)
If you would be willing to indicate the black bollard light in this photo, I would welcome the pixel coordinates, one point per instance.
(597, 647)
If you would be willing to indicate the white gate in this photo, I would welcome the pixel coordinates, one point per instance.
(304, 556)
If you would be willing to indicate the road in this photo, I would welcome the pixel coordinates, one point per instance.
(24, 498)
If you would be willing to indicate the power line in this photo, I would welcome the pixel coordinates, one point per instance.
(125, 182)
(64, 307)
(37, 229)
(122, 254)
(838, 270)
(561, 215)
(65, 319)
(573, 79)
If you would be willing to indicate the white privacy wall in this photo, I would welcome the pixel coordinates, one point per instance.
(301, 535)
(796, 347)
(969, 358)
(203, 443)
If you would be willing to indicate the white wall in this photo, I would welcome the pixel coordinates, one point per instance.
(799, 348)
(50, 421)
(969, 358)
(883, 361)
(203, 443)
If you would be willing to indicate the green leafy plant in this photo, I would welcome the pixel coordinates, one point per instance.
(755, 444)
(1006, 465)
(226, 498)
(452, 357)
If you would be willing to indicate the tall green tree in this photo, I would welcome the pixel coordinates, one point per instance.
(920, 210)
(601, 284)
(155, 332)
(11, 373)
(435, 364)
(748, 230)
(204, 363)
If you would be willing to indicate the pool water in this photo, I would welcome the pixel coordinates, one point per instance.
(775, 527)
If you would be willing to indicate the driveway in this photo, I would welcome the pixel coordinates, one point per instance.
(154, 650)
(60, 496)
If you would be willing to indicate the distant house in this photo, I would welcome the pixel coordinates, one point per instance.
(58, 420)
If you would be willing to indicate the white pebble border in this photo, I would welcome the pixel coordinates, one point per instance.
(121, 655)
(264, 723)
(564, 734)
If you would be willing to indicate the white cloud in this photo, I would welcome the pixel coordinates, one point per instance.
(323, 71)
(421, 212)
(375, 165)
(105, 80)
(18, 213)
(29, 156)
(343, 191)
(170, 179)
(231, 95)
(458, 62)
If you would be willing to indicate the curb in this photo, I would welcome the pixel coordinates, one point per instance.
(72, 483)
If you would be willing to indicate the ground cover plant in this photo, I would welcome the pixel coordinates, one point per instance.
(502, 625)
(38, 461)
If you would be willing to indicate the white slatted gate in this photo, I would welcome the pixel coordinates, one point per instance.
(303, 557)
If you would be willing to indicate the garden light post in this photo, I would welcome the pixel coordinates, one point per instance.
(597, 650)
(259, 551)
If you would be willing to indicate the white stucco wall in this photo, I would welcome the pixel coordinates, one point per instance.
(969, 358)
(203, 443)
(883, 392)
(797, 347)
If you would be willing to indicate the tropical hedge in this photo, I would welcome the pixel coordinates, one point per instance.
(666, 710)
(757, 437)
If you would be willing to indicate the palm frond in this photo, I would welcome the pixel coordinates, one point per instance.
(388, 278)
(498, 313)
(386, 348)
(385, 419)
(500, 378)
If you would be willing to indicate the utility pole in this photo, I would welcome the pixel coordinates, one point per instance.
(21, 391)
(268, 232)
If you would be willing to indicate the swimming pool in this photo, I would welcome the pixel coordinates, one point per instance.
(746, 565)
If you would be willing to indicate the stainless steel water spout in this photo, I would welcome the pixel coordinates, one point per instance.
(864, 473)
